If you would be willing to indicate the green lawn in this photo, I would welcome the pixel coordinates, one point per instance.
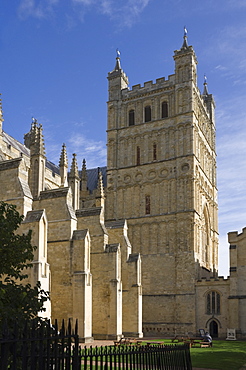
(224, 355)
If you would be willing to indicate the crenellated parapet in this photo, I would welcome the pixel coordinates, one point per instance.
(148, 87)
(213, 280)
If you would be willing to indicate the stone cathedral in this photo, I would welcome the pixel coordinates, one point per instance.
(132, 248)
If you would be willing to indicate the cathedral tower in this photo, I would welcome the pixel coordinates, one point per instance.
(161, 176)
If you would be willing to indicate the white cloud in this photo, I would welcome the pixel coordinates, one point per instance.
(36, 8)
(29, 8)
(230, 51)
(93, 151)
(124, 12)
(84, 2)
(231, 162)
(238, 4)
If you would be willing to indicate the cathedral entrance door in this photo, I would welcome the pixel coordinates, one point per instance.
(213, 329)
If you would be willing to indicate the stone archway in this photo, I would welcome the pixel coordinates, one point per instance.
(213, 329)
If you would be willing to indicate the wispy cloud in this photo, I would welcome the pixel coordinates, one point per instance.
(229, 59)
(36, 9)
(239, 4)
(231, 162)
(93, 151)
(123, 12)
(84, 2)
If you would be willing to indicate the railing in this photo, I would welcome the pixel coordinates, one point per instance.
(46, 348)
(157, 357)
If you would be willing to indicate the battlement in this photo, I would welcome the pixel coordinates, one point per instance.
(212, 279)
(160, 83)
(232, 235)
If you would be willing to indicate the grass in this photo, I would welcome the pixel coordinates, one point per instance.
(224, 355)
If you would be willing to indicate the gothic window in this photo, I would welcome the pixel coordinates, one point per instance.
(131, 117)
(154, 152)
(213, 303)
(147, 113)
(147, 204)
(164, 110)
(138, 156)
(205, 237)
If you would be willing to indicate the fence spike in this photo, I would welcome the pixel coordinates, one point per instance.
(69, 327)
(56, 327)
(76, 327)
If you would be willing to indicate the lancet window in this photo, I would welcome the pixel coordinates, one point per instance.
(154, 152)
(147, 113)
(138, 156)
(164, 110)
(131, 117)
(147, 204)
(213, 303)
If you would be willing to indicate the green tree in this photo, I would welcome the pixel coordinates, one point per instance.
(18, 300)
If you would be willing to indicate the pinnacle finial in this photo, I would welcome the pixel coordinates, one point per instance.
(84, 176)
(185, 43)
(117, 65)
(63, 164)
(205, 88)
(40, 140)
(83, 172)
(36, 138)
(74, 167)
(63, 157)
(100, 188)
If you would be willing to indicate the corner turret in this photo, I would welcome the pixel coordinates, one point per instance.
(117, 80)
(185, 63)
(208, 100)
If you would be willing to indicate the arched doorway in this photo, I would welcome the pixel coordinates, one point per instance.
(213, 329)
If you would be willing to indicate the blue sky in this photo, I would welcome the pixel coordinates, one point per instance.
(56, 54)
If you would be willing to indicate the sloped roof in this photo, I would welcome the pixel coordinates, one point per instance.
(92, 173)
(9, 140)
(16, 144)
(92, 177)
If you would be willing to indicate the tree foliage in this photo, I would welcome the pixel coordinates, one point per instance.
(18, 300)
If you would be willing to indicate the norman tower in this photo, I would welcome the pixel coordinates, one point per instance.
(161, 176)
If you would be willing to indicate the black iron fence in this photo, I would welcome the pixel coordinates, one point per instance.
(157, 357)
(46, 348)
